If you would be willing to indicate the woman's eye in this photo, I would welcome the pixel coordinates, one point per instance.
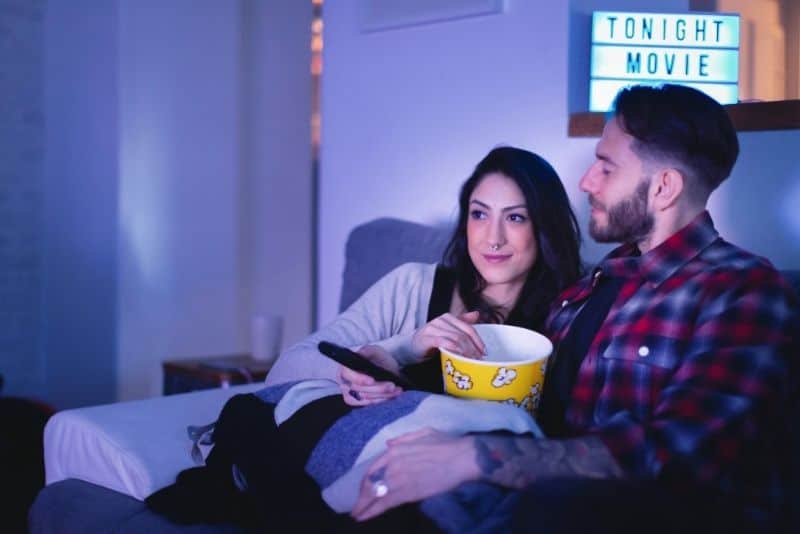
(477, 214)
(517, 217)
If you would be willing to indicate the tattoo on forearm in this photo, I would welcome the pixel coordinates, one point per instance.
(517, 462)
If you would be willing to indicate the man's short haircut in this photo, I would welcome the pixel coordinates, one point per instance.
(681, 126)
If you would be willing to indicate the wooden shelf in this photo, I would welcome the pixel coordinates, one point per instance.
(586, 124)
(181, 376)
(746, 117)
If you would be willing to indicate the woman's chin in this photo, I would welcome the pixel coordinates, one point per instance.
(499, 275)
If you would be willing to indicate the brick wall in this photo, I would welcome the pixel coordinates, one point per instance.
(21, 166)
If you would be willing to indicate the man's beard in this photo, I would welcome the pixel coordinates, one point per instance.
(628, 219)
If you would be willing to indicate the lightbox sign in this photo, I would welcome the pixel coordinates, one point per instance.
(698, 50)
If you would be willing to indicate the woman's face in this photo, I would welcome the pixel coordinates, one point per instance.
(500, 236)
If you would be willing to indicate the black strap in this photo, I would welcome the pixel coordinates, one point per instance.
(444, 282)
(570, 353)
(427, 375)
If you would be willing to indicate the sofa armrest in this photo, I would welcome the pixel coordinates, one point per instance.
(134, 447)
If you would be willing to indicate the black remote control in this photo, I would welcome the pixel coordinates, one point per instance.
(357, 362)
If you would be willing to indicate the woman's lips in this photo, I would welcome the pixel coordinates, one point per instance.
(496, 258)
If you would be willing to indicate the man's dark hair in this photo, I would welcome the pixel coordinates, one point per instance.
(558, 238)
(682, 126)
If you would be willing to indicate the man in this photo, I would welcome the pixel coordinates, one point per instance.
(668, 394)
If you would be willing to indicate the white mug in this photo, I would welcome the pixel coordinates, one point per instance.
(266, 333)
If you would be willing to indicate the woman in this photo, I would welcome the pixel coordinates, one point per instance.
(514, 248)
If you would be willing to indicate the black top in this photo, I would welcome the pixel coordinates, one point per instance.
(444, 282)
(570, 353)
(427, 375)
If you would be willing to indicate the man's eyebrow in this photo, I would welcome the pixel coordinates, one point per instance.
(507, 208)
(604, 157)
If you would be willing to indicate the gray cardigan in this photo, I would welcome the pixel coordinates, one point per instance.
(387, 314)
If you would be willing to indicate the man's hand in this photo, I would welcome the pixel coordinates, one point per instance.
(415, 466)
(451, 332)
(359, 389)
(425, 463)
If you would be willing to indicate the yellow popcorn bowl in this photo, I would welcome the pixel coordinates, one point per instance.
(512, 371)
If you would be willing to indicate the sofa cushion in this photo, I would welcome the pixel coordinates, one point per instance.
(376, 247)
(73, 506)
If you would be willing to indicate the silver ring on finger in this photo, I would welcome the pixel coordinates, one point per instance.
(379, 488)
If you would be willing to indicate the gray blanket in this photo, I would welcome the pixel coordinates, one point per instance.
(347, 449)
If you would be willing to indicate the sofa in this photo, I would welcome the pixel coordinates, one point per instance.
(102, 461)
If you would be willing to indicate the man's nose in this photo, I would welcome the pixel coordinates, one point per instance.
(588, 182)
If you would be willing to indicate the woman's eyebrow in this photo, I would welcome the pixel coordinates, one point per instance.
(515, 207)
(508, 208)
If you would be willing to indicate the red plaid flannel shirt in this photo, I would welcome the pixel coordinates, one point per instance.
(688, 377)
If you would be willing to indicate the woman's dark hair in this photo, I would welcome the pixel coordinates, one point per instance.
(557, 234)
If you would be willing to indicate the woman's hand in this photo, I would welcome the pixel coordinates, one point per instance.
(415, 466)
(359, 389)
(451, 332)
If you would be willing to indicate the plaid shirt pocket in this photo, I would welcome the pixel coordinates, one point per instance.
(633, 375)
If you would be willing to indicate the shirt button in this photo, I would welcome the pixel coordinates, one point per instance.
(564, 303)
(644, 351)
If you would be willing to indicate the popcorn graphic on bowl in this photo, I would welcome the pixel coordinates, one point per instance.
(504, 377)
(535, 396)
(462, 381)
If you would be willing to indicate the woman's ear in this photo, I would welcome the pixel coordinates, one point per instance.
(668, 186)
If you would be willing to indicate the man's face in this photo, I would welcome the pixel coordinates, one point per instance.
(618, 189)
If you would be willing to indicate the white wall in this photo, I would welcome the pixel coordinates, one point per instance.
(178, 185)
(180, 132)
(407, 113)
(278, 190)
(757, 207)
(215, 176)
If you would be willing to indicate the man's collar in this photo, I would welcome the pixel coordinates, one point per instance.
(664, 260)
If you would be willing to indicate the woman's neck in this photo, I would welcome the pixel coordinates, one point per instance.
(503, 296)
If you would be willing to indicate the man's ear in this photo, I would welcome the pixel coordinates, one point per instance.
(668, 186)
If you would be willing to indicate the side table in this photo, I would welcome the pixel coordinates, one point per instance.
(181, 376)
